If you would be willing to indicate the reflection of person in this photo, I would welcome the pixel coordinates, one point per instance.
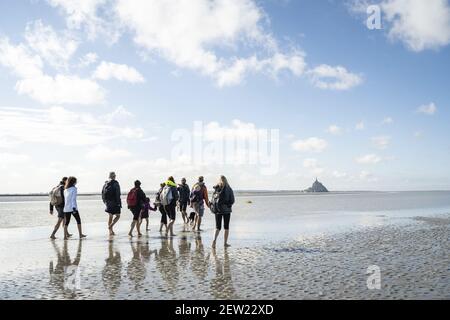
(166, 263)
(184, 252)
(199, 261)
(222, 284)
(111, 274)
(136, 268)
(60, 273)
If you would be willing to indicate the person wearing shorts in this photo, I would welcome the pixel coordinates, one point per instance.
(111, 199)
(59, 208)
(136, 210)
(183, 202)
(200, 194)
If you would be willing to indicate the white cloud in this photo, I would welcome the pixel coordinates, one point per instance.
(62, 89)
(368, 159)
(118, 114)
(313, 165)
(20, 60)
(429, 109)
(121, 72)
(60, 126)
(387, 120)
(56, 49)
(360, 126)
(339, 175)
(419, 24)
(8, 159)
(367, 176)
(334, 130)
(88, 59)
(381, 142)
(102, 153)
(334, 78)
(193, 30)
(312, 144)
(84, 14)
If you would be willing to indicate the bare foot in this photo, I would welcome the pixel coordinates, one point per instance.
(52, 237)
(111, 232)
(226, 245)
(130, 235)
(82, 236)
(139, 234)
(69, 235)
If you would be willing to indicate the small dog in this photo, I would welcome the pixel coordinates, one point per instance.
(192, 217)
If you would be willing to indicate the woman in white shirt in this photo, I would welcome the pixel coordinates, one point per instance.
(70, 207)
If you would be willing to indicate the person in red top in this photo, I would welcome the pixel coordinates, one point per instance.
(199, 197)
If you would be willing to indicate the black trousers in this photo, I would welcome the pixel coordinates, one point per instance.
(75, 214)
(163, 215)
(226, 221)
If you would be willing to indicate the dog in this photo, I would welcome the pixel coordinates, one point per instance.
(192, 217)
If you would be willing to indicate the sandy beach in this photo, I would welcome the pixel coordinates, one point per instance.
(412, 256)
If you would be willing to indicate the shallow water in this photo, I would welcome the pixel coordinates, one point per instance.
(283, 247)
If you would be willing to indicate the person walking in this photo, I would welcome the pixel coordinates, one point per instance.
(198, 198)
(113, 202)
(71, 207)
(161, 208)
(221, 206)
(135, 201)
(169, 198)
(184, 192)
(57, 202)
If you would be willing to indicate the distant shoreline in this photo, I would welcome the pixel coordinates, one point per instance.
(240, 192)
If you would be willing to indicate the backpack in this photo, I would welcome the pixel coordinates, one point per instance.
(132, 198)
(56, 197)
(166, 196)
(196, 195)
(108, 192)
(216, 201)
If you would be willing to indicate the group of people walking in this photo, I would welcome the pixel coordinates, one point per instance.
(169, 197)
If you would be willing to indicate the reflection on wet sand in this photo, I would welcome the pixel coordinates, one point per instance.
(179, 265)
(65, 275)
(222, 284)
(112, 272)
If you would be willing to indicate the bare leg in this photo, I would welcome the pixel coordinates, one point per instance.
(58, 224)
(225, 238)
(170, 227)
(215, 238)
(80, 232)
(199, 223)
(111, 225)
(138, 227)
(133, 224)
(146, 225)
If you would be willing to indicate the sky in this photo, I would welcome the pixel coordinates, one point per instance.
(270, 93)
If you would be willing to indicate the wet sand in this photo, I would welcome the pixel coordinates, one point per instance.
(412, 256)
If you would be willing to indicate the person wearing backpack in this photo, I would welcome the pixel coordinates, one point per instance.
(169, 198)
(111, 199)
(161, 208)
(221, 206)
(135, 201)
(57, 202)
(198, 198)
(184, 192)
(71, 207)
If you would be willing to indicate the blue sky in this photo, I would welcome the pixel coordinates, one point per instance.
(98, 85)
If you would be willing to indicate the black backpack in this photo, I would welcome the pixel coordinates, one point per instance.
(108, 192)
(216, 201)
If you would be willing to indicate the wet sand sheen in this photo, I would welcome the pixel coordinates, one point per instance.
(413, 258)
